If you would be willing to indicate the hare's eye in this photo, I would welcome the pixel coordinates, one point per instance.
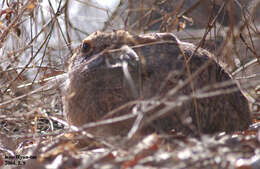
(85, 47)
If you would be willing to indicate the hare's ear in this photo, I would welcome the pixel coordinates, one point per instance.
(167, 37)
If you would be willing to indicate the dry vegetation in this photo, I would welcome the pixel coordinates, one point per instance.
(36, 41)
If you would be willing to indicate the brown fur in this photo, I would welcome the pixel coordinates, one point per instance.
(95, 88)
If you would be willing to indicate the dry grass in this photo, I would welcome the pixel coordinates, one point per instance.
(36, 42)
